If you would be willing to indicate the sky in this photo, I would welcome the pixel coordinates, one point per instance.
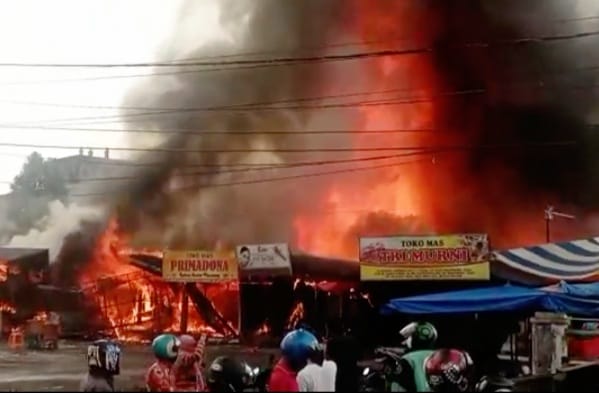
(75, 31)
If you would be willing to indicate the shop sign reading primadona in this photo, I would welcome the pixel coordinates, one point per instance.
(448, 257)
(199, 266)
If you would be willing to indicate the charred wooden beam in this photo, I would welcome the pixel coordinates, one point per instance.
(202, 304)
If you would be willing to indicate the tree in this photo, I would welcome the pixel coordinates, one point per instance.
(38, 183)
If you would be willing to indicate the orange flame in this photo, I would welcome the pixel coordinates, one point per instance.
(6, 307)
(263, 330)
(296, 315)
(130, 301)
(41, 316)
(3, 271)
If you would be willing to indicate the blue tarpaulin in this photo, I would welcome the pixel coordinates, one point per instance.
(590, 290)
(581, 299)
(497, 298)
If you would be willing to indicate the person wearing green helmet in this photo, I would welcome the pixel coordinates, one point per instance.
(421, 338)
(160, 375)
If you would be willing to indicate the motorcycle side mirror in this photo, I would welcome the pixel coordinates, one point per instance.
(366, 371)
(256, 370)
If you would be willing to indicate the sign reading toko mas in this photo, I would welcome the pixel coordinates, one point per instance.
(199, 266)
(447, 257)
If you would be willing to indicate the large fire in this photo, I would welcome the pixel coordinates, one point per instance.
(396, 191)
(426, 192)
(131, 302)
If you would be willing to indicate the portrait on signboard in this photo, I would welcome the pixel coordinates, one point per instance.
(478, 245)
(245, 257)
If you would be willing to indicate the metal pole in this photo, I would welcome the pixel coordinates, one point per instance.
(547, 231)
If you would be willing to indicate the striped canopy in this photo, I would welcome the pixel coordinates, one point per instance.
(569, 261)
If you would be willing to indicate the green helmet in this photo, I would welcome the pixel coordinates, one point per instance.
(424, 336)
(166, 346)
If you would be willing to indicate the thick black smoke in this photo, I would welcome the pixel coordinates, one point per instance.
(201, 215)
(535, 93)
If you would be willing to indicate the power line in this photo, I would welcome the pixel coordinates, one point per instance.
(253, 107)
(295, 165)
(362, 43)
(266, 167)
(252, 104)
(293, 60)
(259, 167)
(281, 150)
(276, 179)
(274, 105)
(226, 132)
(269, 105)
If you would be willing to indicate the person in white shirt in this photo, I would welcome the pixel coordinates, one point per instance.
(309, 379)
(329, 373)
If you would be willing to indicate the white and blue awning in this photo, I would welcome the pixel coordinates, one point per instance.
(569, 261)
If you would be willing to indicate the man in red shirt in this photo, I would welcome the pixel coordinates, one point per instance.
(283, 378)
(296, 348)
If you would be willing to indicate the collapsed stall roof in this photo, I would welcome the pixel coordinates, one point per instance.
(303, 265)
(321, 268)
(29, 258)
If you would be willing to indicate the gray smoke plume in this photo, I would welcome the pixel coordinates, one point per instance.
(201, 214)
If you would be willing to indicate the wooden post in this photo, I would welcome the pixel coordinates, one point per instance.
(184, 309)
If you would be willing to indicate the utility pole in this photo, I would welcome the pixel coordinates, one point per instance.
(550, 214)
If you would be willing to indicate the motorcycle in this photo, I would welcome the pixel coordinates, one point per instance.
(379, 377)
(259, 379)
(494, 384)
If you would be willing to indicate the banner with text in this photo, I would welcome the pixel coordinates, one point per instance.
(264, 259)
(447, 257)
(199, 266)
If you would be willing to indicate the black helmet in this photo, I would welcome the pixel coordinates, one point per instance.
(104, 355)
(226, 374)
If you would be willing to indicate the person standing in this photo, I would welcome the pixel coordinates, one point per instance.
(329, 372)
(309, 379)
(296, 347)
(104, 362)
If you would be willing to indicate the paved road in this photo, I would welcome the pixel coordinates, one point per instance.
(63, 369)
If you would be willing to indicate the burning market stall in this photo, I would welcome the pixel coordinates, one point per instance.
(141, 303)
(128, 296)
(295, 286)
(30, 306)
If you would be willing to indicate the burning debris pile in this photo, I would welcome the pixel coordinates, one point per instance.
(134, 302)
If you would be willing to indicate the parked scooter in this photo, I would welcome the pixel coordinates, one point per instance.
(494, 384)
(380, 376)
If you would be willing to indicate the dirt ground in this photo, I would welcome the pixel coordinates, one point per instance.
(62, 370)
